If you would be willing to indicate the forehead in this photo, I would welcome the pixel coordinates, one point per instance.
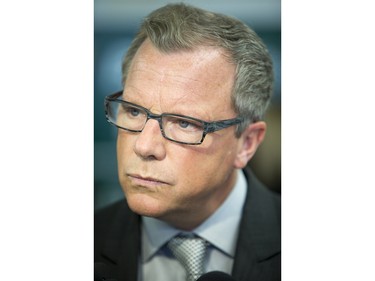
(203, 78)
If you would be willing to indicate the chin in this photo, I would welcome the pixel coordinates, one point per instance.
(145, 205)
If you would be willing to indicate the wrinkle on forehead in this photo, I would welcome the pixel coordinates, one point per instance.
(181, 81)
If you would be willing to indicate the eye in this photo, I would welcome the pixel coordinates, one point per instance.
(184, 124)
(188, 125)
(134, 111)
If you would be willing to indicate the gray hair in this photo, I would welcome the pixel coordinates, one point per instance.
(181, 27)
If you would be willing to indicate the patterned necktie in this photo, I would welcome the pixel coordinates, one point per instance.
(190, 252)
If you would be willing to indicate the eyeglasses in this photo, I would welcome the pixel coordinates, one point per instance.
(174, 127)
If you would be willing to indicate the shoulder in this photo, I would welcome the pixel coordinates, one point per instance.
(104, 217)
(261, 196)
(109, 224)
(258, 252)
(262, 213)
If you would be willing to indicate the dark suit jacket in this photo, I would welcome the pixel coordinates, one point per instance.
(258, 253)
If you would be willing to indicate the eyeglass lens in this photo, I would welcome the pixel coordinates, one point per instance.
(174, 127)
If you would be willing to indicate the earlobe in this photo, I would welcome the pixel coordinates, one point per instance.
(250, 139)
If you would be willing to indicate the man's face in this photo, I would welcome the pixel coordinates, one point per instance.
(178, 183)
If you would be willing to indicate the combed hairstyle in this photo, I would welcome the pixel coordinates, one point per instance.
(179, 27)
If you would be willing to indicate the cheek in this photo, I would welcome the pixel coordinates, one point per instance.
(124, 155)
(123, 146)
(195, 170)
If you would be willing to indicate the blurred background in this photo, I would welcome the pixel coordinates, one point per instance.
(115, 24)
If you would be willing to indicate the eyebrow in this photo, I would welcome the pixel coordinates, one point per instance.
(136, 95)
(191, 114)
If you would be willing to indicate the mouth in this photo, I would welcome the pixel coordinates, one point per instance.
(145, 181)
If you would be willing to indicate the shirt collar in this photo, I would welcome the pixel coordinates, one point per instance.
(155, 233)
(226, 219)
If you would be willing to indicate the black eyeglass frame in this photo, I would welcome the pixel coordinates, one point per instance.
(208, 127)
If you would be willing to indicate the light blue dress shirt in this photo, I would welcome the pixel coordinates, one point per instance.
(220, 230)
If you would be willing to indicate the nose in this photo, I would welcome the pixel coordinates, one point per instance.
(150, 143)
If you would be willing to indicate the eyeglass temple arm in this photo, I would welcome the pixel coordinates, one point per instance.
(219, 125)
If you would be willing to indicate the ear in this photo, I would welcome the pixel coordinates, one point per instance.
(248, 144)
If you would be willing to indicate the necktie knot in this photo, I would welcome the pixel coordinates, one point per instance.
(190, 252)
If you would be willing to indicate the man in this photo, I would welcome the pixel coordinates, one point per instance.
(195, 88)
